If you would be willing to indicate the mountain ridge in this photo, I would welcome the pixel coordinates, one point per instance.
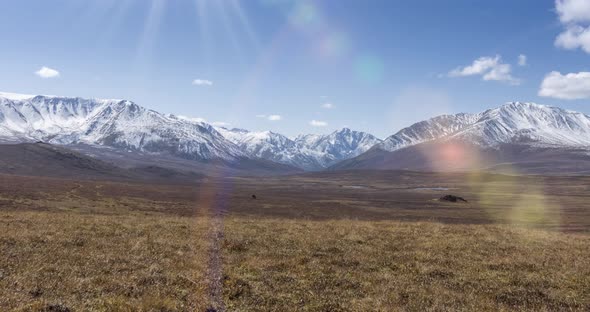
(516, 134)
(513, 120)
(125, 125)
(310, 152)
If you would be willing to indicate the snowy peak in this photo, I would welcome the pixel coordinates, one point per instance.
(114, 123)
(513, 122)
(428, 130)
(42, 115)
(264, 144)
(310, 152)
(125, 125)
(338, 145)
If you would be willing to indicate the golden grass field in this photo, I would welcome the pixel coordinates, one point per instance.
(322, 242)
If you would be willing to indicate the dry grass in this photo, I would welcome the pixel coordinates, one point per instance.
(159, 263)
(274, 265)
(98, 246)
(105, 263)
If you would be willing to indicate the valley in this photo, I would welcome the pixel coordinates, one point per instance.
(117, 207)
(294, 155)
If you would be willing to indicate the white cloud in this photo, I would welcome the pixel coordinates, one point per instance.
(46, 72)
(571, 86)
(490, 68)
(501, 73)
(478, 67)
(571, 11)
(193, 119)
(202, 82)
(220, 124)
(318, 123)
(575, 16)
(328, 105)
(199, 119)
(574, 37)
(522, 60)
(270, 117)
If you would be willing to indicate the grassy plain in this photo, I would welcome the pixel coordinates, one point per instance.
(348, 241)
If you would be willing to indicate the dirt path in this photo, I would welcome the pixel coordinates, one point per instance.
(216, 205)
(215, 268)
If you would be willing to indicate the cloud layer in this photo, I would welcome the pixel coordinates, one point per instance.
(270, 117)
(575, 17)
(571, 11)
(490, 68)
(46, 72)
(318, 123)
(571, 86)
(522, 60)
(202, 82)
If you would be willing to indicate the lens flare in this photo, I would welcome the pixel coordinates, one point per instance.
(304, 15)
(513, 198)
(450, 156)
(369, 69)
(333, 45)
(151, 29)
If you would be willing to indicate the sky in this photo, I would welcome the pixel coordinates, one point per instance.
(301, 66)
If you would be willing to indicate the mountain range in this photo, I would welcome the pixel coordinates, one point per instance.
(309, 152)
(514, 135)
(122, 125)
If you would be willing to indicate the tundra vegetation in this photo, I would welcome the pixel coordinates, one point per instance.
(347, 241)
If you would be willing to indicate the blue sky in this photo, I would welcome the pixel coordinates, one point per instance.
(381, 65)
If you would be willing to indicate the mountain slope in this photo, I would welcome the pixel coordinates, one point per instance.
(522, 136)
(310, 152)
(126, 126)
(337, 146)
(40, 159)
(116, 123)
(513, 122)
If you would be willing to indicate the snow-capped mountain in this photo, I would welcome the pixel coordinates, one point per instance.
(428, 130)
(518, 136)
(310, 152)
(124, 125)
(114, 123)
(337, 146)
(514, 122)
(271, 146)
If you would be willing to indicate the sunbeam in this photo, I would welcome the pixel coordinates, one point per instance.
(239, 11)
(150, 32)
(205, 37)
(229, 29)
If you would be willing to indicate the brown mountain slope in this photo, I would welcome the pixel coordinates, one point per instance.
(459, 156)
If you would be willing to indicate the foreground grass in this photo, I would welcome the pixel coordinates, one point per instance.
(82, 262)
(278, 265)
(155, 262)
